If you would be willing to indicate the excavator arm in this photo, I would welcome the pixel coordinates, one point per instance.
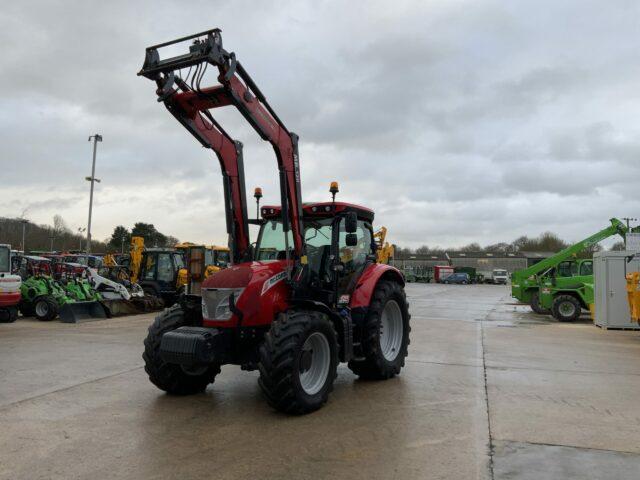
(191, 105)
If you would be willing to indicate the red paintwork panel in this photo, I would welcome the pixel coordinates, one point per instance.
(259, 306)
(9, 299)
(366, 285)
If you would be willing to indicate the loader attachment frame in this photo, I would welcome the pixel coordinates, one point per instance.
(191, 104)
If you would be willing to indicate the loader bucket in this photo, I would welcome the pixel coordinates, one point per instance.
(119, 307)
(76, 312)
(148, 303)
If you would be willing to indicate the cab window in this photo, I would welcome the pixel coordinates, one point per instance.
(586, 268)
(150, 267)
(165, 267)
(272, 244)
(355, 257)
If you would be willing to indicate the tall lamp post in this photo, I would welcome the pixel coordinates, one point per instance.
(24, 224)
(80, 232)
(96, 138)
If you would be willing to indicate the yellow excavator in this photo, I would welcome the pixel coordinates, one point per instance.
(215, 257)
(385, 251)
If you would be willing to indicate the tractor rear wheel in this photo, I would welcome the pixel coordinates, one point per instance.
(535, 305)
(45, 308)
(566, 308)
(170, 377)
(298, 362)
(385, 339)
(8, 314)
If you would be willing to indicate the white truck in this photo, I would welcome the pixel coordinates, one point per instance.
(499, 276)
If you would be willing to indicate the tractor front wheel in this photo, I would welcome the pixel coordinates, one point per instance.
(566, 308)
(170, 377)
(535, 305)
(298, 362)
(385, 339)
(45, 308)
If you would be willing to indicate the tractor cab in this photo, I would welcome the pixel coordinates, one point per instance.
(339, 245)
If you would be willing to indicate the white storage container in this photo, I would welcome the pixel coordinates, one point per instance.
(612, 306)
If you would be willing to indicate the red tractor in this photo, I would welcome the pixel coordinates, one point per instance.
(308, 296)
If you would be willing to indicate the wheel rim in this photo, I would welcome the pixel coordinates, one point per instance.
(42, 309)
(567, 309)
(315, 360)
(391, 330)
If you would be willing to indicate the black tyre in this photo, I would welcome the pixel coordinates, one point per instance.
(535, 305)
(298, 362)
(464, 282)
(172, 378)
(45, 308)
(385, 339)
(566, 308)
(26, 309)
(8, 314)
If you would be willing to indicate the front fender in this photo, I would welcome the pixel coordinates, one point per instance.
(361, 296)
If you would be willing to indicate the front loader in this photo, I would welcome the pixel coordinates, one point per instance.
(46, 298)
(308, 296)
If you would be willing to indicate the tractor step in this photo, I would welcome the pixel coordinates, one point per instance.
(195, 345)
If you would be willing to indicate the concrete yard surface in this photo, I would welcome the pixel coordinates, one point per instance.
(490, 391)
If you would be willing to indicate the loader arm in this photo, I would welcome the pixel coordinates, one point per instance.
(191, 105)
(616, 227)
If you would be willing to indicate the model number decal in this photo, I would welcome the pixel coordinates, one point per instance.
(272, 281)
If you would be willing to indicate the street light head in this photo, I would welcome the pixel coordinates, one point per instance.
(97, 180)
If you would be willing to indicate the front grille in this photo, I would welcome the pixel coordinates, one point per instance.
(211, 297)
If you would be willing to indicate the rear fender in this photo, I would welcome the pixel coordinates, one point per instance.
(361, 296)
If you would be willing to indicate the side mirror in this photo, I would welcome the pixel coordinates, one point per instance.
(351, 223)
(351, 239)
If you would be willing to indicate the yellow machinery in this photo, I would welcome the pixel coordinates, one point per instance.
(633, 294)
(108, 260)
(215, 257)
(135, 257)
(385, 251)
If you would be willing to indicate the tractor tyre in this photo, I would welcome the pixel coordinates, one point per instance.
(298, 362)
(385, 337)
(45, 308)
(26, 308)
(8, 314)
(170, 377)
(566, 308)
(535, 305)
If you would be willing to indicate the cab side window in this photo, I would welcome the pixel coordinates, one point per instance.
(355, 257)
(586, 268)
(150, 267)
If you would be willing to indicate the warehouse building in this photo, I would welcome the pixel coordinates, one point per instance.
(486, 262)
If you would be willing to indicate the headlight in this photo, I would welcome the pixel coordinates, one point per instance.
(215, 302)
(546, 291)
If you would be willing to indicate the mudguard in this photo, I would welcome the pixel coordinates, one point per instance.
(362, 293)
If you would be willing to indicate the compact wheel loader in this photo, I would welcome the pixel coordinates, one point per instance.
(308, 296)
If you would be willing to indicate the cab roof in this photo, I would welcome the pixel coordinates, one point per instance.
(321, 209)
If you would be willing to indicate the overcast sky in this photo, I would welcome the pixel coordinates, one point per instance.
(456, 121)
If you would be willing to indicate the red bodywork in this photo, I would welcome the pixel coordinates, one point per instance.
(259, 309)
(9, 299)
